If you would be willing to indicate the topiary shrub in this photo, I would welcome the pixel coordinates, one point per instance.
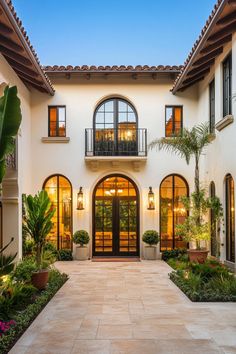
(175, 253)
(65, 255)
(81, 237)
(151, 237)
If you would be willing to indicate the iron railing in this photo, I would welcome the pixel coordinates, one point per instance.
(116, 142)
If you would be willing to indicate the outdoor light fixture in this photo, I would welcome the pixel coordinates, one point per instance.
(151, 202)
(80, 199)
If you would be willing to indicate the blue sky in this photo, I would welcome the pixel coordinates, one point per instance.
(109, 32)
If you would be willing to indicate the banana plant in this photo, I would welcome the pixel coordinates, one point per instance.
(10, 120)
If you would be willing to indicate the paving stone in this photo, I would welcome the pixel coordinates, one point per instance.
(129, 308)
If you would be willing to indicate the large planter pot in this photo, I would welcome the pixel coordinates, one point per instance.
(198, 256)
(40, 279)
(81, 253)
(150, 253)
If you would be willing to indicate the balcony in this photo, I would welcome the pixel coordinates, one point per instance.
(115, 146)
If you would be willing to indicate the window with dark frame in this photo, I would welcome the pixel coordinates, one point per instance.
(57, 121)
(227, 86)
(174, 120)
(212, 106)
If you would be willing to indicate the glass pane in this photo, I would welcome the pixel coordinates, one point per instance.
(53, 114)
(99, 117)
(122, 106)
(62, 114)
(169, 121)
(109, 106)
(60, 235)
(172, 211)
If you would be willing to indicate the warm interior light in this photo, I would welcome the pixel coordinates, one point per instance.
(120, 191)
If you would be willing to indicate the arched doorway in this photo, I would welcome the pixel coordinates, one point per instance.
(172, 211)
(59, 190)
(116, 217)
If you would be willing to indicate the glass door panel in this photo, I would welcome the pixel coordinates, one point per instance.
(115, 218)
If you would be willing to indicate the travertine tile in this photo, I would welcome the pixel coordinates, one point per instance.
(127, 308)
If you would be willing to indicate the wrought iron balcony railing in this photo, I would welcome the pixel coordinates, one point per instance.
(116, 142)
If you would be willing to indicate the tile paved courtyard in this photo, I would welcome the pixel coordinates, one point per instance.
(127, 308)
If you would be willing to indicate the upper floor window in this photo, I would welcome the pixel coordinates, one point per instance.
(212, 106)
(174, 120)
(57, 121)
(227, 86)
(115, 128)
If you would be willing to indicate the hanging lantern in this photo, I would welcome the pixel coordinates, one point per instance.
(80, 199)
(151, 201)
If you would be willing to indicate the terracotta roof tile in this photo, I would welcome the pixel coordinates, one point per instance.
(24, 34)
(114, 68)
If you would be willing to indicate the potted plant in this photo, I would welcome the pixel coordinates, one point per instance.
(37, 223)
(81, 238)
(151, 238)
(191, 143)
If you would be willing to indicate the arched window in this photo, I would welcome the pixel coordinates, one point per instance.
(214, 246)
(172, 211)
(60, 193)
(115, 128)
(229, 218)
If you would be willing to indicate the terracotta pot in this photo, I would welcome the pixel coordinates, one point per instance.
(40, 279)
(198, 256)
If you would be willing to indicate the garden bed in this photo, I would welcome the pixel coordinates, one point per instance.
(208, 282)
(22, 318)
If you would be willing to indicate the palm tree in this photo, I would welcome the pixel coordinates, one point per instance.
(191, 143)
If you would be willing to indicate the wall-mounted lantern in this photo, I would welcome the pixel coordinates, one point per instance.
(80, 199)
(151, 201)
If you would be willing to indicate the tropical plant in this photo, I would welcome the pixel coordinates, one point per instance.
(37, 221)
(190, 143)
(81, 237)
(151, 237)
(196, 227)
(6, 261)
(65, 255)
(10, 120)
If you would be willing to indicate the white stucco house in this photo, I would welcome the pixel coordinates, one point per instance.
(85, 132)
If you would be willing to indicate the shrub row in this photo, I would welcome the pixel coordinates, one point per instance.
(24, 319)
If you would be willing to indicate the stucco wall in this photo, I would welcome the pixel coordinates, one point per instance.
(219, 159)
(81, 98)
(19, 181)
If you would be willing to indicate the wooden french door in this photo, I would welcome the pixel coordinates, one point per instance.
(116, 219)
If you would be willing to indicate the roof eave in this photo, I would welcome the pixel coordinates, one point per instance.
(198, 47)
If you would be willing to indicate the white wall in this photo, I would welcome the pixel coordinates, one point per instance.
(149, 97)
(219, 158)
(17, 181)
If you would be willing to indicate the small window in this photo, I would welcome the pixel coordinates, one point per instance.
(56, 121)
(227, 86)
(212, 106)
(174, 120)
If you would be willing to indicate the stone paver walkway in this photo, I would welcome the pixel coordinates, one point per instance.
(127, 308)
